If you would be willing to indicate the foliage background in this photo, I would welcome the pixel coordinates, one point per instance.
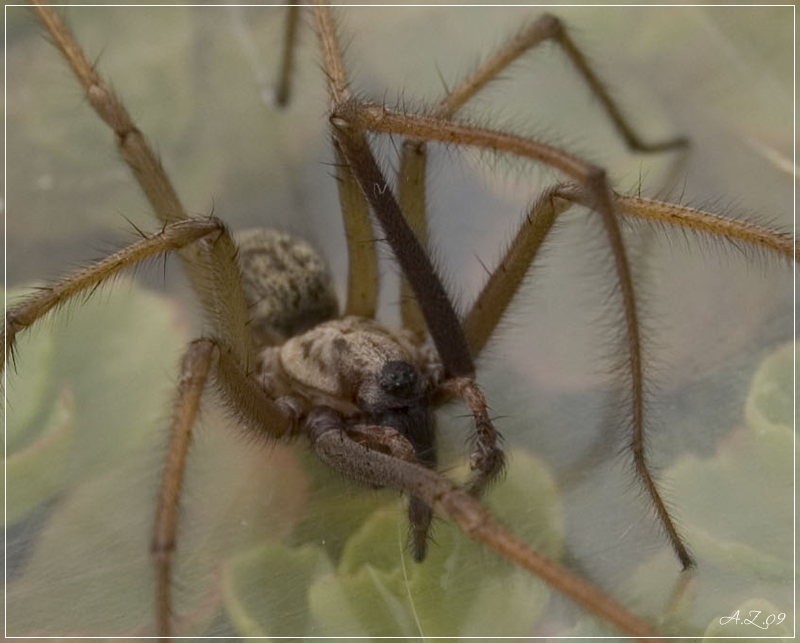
(89, 404)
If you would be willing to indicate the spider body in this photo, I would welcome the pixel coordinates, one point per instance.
(384, 405)
(376, 379)
(286, 283)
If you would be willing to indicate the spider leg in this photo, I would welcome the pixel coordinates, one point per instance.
(362, 272)
(362, 262)
(725, 228)
(195, 367)
(355, 116)
(172, 237)
(487, 460)
(388, 440)
(254, 410)
(413, 158)
(439, 314)
(329, 439)
(504, 281)
(283, 85)
(212, 269)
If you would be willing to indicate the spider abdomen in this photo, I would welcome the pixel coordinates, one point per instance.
(287, 285)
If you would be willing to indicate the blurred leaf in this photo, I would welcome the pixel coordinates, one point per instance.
(28, 396)
(736, 511)
(37, 470)
(69, 431)
(377, 590)
(278, 607)
(771, 400)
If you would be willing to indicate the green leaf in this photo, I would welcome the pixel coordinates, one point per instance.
(28, 397)
(461, 589)
(65, 421)
(770, 401)
(277, 607)
(38, 469)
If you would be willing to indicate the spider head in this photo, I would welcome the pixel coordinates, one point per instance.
(369, 373)
(399, 378)
(358, 362)
(396, 385)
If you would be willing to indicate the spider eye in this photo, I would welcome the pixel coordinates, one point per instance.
(398, 378)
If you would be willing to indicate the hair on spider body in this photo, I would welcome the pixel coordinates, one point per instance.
(287, 285)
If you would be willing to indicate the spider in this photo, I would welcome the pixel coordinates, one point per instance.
(189, 512)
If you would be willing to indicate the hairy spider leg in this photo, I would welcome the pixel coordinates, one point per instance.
(413, 157)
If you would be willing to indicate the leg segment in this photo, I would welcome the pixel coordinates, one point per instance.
(505, 280)
(492, 302)
(330, 442)
(440, 316)
(212, 269)
(362, 264)
(194, 374)
(715, 225)
(259, 414)
(389, 440)
(503, 284)
(600, 198)
(283, 85)
(487, 460)
(413, 159)
(174, 236)
(546, 27)
(362, 279)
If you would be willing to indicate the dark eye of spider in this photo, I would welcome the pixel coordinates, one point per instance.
(398, 378)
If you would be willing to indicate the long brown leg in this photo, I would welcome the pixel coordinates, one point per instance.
(437, 309)
(212, 270)
(503, 284)
(723, 228)
(329, 440)
(283, 84)
(374, 117)
(504, 281)
(255, 411)
(194, 373)
(413, 159)
(362, 265)
(174, 236)
(362, 261)
(416, 265)
(506, 278)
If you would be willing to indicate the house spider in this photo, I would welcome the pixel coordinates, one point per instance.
(201, 607)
